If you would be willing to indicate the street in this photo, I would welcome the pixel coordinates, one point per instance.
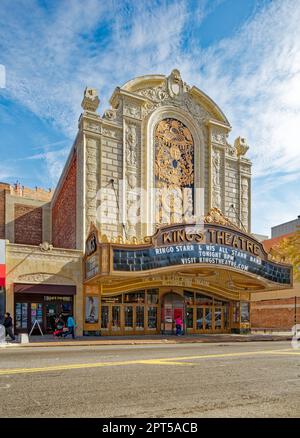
(253, 379)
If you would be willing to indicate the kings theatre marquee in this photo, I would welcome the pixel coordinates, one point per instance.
(195, 247)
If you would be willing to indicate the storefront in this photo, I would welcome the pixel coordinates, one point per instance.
(42, 303)
(204, 276)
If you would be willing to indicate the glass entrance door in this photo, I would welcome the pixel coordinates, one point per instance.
(172, 308)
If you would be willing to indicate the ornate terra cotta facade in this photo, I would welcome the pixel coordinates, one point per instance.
(155, 122)
(157, 204)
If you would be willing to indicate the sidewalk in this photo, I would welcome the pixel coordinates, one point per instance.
(50, 341)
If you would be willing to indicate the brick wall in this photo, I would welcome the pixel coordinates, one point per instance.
(279, 314)
(28, 224)
(64, 211)
(2, 210)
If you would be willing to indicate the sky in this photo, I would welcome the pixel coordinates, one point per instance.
(245, 54)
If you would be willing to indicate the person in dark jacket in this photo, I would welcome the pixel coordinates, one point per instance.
(8, 324)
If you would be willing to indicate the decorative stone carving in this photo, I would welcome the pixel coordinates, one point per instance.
(216, 183)
(215, 216)
(175, 84)
(218, 137)
(46, 246)
(132, 214)
(155, 94)
(244, 201)
(133, 111)
(241, 146)
(131, 145)
(231, 150)
(174, 171)
(110, 114)
(131, 181)
(90, 100)
(42, 277)
(112, 133)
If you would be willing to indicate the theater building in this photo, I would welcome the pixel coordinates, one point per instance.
(150, 220)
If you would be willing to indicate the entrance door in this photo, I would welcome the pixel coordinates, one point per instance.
(172, 308)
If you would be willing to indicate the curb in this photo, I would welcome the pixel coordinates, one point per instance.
(87, 343)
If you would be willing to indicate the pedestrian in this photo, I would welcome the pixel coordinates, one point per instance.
(178, 324)
(71, 327)
(60, 325)
(8, 324)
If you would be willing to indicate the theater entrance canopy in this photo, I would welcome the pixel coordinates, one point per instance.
(214, 256)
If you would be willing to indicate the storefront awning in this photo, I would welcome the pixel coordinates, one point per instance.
(44, 289)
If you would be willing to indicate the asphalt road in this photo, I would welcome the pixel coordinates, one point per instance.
(257, 379)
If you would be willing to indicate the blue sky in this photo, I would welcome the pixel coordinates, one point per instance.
(245, 54)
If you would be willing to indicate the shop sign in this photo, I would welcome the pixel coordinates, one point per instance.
(91, 245)
(92, 266)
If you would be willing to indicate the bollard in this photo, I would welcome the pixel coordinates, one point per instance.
(2, 335)
(24, 338)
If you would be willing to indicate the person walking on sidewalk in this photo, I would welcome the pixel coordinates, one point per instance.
(8, 324)
(178, 324)
(71, 327)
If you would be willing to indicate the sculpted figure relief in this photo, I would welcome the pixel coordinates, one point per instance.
(131, 143)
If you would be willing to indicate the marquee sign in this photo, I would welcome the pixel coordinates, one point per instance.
(197, 254)
(195, 246)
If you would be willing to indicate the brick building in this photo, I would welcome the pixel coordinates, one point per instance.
(277, 310)
(150, 221)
